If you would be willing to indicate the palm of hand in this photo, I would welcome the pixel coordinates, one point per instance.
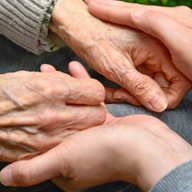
(39, 110)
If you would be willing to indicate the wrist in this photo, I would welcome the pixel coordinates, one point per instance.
(148, 156)
(65, 16)
(149, 175)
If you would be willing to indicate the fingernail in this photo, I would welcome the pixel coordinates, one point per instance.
(119, 98)
(159, 103)
(6, 177)
(137, 12)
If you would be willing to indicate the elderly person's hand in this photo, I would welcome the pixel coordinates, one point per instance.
(39, 110)
(128, 148)
(170, 25)
(124, 55)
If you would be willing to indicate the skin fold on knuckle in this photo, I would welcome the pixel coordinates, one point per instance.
(99, 91)
(90, 92)
(141, 87)
(90, 116)
(116, 66)
(155, 19)
(49, 87)
(100, 115)
(184, 9)
(22, 176)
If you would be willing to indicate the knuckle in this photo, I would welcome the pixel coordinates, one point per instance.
(24, 176)
(48, 86)
(141, 87)
(98, 117)
(184, 8)
(102, 116)
(99, 93)
(156, 16)
(40, 83)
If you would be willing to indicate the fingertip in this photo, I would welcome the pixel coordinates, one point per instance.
(47, 68)
(77, 70)
(86, 2)
(148, 92)
(6, 177)
(159, 103)
(74, 64)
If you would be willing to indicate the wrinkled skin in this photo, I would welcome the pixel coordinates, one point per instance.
(39, 110)
(120, 54)
(127, 148)
(171, 25)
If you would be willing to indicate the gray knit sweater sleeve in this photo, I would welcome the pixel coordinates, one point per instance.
(178, 180)
(21, 20)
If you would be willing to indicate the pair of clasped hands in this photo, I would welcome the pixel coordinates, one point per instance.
(60, 145)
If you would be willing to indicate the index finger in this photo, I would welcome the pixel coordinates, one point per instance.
(120, 12)
(115, 14)
(60, 86)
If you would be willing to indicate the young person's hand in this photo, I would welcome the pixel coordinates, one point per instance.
(128, 148)
(124, 55)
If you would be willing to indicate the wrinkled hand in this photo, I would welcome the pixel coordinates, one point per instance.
(39, 110)
(124, 55)
(128, 148)
(170, 25)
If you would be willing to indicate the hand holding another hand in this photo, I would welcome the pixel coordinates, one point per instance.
(138, 62)
(171, 25)
(128, 148)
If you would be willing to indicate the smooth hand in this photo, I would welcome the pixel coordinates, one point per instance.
(170, 25)
(39, 110)
(138, 62)
(128, 148)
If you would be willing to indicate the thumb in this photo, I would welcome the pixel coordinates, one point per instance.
(147, 91)
(31, 172)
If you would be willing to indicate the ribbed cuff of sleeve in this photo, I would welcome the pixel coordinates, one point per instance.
(21, 20)
(178, 180)
(48, 40)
